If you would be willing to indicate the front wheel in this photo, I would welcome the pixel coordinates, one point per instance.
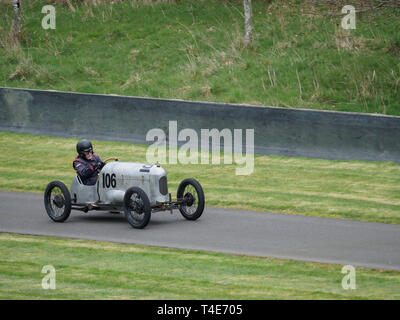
(191, 194)
(57, 201)
(137, 207)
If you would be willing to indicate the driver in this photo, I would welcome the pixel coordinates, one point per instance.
(87, 164)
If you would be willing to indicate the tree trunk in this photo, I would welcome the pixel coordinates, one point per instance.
(17, 20)
(248, 25)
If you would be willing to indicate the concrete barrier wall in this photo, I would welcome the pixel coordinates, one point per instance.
(280, 131)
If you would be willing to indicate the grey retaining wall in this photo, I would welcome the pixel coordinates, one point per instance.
(281, 131)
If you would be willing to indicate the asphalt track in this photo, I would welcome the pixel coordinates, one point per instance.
(262, 234)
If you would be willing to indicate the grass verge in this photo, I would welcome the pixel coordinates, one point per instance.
(103, 270)
(193, 50)
(368, 191)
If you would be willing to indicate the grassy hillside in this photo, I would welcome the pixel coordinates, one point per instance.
(368, 191)
(300, 56)
(103, 270)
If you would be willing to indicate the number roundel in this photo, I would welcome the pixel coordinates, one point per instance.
(109, 180)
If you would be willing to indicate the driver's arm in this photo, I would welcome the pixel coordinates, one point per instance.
(100, 164)
(84, 171)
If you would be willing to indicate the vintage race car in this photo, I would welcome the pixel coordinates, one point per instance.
(134, 188)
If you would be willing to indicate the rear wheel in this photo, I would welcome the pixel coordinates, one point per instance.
(57, 201)
(137, 207)
(191, 192)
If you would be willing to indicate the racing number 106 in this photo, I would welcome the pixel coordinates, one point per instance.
(109, 180)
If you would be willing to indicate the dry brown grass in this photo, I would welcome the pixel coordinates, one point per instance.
(91, 72)
(26, 68)
(133, 79)
(344, 40)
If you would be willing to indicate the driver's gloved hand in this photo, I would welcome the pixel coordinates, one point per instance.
(98, 166)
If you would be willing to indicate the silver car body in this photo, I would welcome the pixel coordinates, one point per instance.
(117, 177)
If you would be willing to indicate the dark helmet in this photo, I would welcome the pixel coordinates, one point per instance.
(83, 147)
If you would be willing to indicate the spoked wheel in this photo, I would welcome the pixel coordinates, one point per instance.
(191, 192)
(137, 207)
(57, 201)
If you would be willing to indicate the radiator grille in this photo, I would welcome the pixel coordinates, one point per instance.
(163, 185)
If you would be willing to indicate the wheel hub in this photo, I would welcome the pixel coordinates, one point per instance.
(137, 206)
(59, 201)
(189, 199)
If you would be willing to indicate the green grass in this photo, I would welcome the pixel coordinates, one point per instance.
(103, 270)
(358, 190)
(193, 50)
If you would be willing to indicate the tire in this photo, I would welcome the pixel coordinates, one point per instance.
(191, 190)
(137, 207)
(57, 201)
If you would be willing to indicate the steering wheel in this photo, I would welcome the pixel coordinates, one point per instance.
(109, 159)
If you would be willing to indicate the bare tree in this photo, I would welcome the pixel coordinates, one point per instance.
(17, 20)
(248, 25)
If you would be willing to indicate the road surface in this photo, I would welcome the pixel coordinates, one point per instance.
(263, 234)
